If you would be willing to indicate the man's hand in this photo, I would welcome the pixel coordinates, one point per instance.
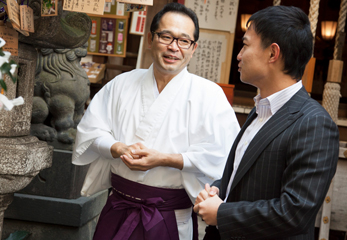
(208, 209)
(118, 149)
(150, 158)
(206, 193)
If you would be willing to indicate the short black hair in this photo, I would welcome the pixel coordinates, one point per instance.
(289, 27)
(177, 8)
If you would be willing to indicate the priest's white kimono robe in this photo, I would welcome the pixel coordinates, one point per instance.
(191, 116)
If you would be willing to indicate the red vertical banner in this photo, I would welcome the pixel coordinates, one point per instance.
(138, 22)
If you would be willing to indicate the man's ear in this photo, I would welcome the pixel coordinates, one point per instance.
(149, 39)
(275, 52)
(194, 48)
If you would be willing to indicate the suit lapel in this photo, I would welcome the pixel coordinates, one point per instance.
(283, 118)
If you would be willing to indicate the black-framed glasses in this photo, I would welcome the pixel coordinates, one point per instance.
(167, 39)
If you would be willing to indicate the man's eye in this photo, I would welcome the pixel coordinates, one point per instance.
(184, 41)
(166, 37)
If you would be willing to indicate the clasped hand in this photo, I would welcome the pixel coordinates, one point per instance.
(207, 204)
(137, 156)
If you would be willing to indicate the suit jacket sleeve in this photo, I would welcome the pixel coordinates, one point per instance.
(310, 163)
(216, 183)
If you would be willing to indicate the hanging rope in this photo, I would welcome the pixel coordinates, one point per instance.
(331, 99)
(313, 16)
(340, 35)
(331, 96)
(277, 2)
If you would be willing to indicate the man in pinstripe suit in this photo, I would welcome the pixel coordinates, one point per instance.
(280, 166)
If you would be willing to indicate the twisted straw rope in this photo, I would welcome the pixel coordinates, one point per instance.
(340, 29)
(313, 16)
(277, 2)
(331, 99)
(331, 93)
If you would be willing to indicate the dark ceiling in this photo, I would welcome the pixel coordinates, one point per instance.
(328, 11)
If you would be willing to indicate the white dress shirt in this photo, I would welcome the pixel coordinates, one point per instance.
(265, 108)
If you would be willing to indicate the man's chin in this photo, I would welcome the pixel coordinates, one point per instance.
(245, 81)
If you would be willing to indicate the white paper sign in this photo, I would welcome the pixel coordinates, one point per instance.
(138, 22)
(142, 2)
(208, 57)
(215, 14)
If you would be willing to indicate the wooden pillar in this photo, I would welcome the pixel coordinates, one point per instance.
(307, 78)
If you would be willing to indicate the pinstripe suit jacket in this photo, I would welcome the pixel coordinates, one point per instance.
(284, 174)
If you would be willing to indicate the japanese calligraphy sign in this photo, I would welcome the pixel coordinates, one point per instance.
(11, 38)
(27, 18)
(13, 12)
(214, 14)
(85, 6)
(211, 58)
(138, 22)
(142, 2)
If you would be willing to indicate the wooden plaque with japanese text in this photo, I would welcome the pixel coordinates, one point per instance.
(11, 38)
(85, 6)
(27, 18)
(13, 12)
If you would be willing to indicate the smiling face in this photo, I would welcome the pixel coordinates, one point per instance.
(253, 60)
(169, 60)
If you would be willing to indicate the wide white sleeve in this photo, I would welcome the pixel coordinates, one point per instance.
(213, 129)
(102, 145)
(95, 123)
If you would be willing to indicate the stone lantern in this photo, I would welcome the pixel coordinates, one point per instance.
(21, 156)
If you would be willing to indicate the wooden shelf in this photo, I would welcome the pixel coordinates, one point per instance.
(106, 54)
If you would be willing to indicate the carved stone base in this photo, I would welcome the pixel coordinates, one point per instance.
(54, 218)
(21, 158)
(5, 200)
(61, 180)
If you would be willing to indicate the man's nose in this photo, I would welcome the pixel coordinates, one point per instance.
(239, 56)
(174, 44)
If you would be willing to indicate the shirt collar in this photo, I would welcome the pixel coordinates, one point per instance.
(278, 99)
(155, 88)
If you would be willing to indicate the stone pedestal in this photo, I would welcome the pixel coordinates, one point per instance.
(21, 158)
(5, 200)
(62, 180)
(51, 206)
(54, 218)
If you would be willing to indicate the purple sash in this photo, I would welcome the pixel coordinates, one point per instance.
(135, 211)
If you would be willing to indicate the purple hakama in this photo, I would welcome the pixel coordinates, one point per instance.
(135, 211)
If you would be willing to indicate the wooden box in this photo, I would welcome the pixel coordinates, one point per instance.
(229, 91)
(95, 71)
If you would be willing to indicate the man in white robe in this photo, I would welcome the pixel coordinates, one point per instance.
(161, 127)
